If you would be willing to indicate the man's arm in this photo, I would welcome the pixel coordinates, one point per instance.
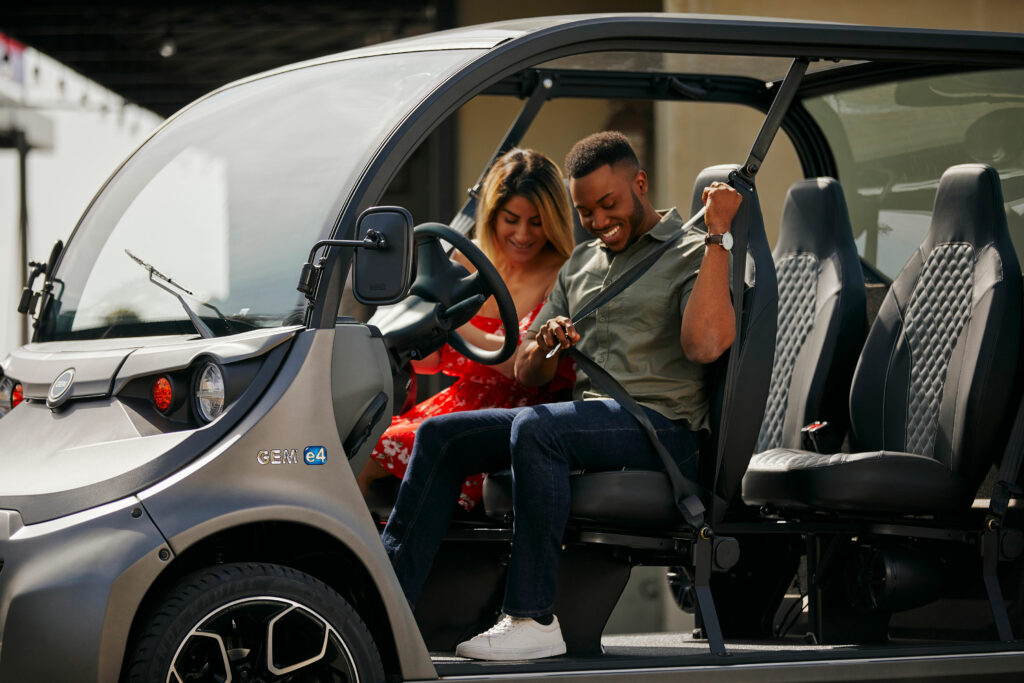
(533, 367)
(708, 327)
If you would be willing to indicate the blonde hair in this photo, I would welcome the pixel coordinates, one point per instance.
(529, 174)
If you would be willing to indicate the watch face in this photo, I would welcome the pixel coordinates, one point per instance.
(724, 240)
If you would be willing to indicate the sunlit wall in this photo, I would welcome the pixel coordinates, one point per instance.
(94, 130)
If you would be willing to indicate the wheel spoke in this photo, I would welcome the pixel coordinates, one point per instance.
(202, 656)
(262, 638)
(297, 639)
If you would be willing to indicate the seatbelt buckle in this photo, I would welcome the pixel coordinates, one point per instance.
(813, 436)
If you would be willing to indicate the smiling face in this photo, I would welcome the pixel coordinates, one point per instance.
(608, 200)
(519, 230)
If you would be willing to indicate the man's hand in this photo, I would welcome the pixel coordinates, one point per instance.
(722, 202)
(533, 367)
(557, 332)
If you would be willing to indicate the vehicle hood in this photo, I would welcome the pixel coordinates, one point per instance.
(84, 448)
(103, 366)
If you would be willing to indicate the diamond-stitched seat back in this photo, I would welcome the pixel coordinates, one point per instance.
(939, 308)
(798, 284)
(937, 374)
(821, 315)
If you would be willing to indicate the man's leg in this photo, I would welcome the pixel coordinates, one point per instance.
(446, 450)
(548, 441)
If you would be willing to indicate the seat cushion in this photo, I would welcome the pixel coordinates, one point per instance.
(621, 498)
(879, 481)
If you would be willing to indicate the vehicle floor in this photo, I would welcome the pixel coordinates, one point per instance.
(653, 650)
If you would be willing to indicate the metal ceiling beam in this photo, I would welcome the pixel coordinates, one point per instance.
(117, 44)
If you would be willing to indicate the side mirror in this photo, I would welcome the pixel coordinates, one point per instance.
(382, 276)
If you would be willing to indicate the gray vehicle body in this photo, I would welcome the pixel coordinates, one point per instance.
(101, 508)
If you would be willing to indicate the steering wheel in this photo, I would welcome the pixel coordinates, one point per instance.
(446, 296)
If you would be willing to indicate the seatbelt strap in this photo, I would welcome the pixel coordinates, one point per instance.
(465, 219)
(686, 493)
(606, 294)
(1006, 485)
(1003, 490)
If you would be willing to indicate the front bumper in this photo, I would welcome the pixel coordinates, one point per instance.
(69, 588)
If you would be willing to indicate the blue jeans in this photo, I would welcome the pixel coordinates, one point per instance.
(541, 444)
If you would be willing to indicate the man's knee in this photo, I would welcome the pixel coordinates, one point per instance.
(433, 435)
(534, 431)
(429, 429)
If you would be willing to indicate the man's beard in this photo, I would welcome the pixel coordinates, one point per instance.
(636, 218)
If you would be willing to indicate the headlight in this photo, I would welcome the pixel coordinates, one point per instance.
(11, 394)
(209, 396)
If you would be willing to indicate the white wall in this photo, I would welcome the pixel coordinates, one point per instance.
(94, 131)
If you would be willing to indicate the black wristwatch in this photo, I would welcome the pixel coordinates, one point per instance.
(724, 240)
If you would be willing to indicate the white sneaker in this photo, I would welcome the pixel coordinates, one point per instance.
(515, 638)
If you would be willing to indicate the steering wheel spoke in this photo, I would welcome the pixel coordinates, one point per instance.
(471, 285)
(461, 295)
(462, 312)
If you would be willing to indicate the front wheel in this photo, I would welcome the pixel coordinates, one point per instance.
(250, 623)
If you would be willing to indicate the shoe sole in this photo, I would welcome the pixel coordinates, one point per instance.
(499, 656)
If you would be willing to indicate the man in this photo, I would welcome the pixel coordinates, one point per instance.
(654, 337)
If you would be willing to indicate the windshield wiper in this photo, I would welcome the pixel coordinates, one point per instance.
(154, 277)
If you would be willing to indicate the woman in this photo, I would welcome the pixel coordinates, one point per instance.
(524, 227)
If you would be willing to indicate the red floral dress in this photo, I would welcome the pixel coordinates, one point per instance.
(478, 386)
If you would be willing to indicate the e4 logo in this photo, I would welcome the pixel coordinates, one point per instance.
(315, 455)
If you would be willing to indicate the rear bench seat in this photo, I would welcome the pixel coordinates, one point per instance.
(930, 394)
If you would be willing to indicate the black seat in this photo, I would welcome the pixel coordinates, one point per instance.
(822, 320)
(930, 391)
(643, 499)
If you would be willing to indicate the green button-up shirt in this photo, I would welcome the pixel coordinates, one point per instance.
(635, 336)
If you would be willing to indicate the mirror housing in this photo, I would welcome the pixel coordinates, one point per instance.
(382, 276)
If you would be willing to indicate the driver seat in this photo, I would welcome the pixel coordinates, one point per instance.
(936, 374)
(643, 499)
(635, 509)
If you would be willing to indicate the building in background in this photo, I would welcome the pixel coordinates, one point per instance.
(77, 132)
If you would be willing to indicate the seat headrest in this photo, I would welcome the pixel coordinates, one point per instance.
(968, 207)
(705, 178)
(815, 219)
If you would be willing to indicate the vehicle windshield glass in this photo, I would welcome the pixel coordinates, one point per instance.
(893, 141)
(228, 198)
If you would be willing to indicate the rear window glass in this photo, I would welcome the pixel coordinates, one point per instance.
(892, 142)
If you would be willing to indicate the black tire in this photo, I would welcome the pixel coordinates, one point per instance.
(232, 615)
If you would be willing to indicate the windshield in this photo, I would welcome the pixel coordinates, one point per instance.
(228, 198)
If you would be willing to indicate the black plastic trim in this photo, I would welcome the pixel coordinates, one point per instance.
(829, 658)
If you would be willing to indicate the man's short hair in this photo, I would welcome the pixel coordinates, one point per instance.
(594, 151)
